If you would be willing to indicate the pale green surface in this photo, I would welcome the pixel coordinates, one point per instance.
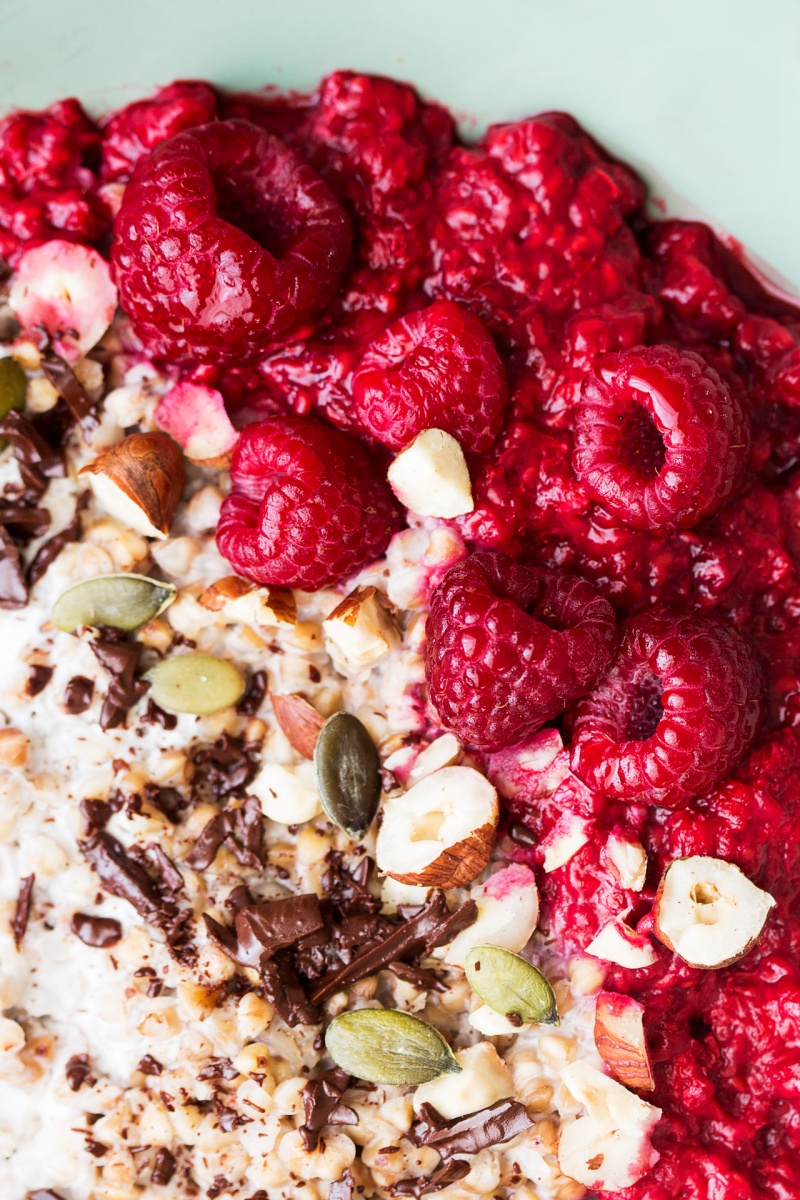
(705, 91)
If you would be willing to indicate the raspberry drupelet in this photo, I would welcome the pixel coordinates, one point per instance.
(674, 714)
(308, 505)
(434, 369)
(510, 647)
(226, 242)
(660, 438)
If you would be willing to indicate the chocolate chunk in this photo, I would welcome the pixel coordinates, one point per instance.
(473, 1133)
(96, 931)
(419, 977)
(431, 926)
(227, 1118)
(224, 769)
(37, 460)
(217, 1068)
(70, 389)
(22, 911)
(262, 930)
(441, 1178)
(38, 679)
(121, 660)
(50, 550)
(149, 1065)
(97, 813)
(168, 801)
(322, 1103)
(251, 701)
(13, 589)
(285, 992)
(156, 985)
(164, 1167)
(154, 715)
(342, 1188)
(239, 828)
(79, 1072)
(98, 1149)
(121, 875)
(25, 522)
(78, 695)
(169, 877)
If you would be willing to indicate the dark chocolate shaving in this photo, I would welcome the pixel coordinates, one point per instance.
(164, 1167)
(285, 992)
(322, 1103)
(38, 679)
(97, 813)
(25, 522)
(240, 829)
(121, 660)
(342, 1188)
(431, 926)
(262, 930)
(22, 911)
(217, 1068)
(253, 698)
(78, 695)
(101, 932)
(169, 877)
(79, 1072)
(45, 1194)
(149, 1065)
(167, 800)
(38, 462)
(423, 979)
(223, 769)
(70, 389)
(473, 1133)
(154, 715)
(49, 551)
(442, 1177)
(121, 875)
(13, 589)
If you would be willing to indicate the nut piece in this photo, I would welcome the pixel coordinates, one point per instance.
(300, 722)
(508, 912)
(239, 600)
(620, 1041)
(484, 1079)
(708, 912)
(564, 840)
(618, 943)
(439, 833)
(431, 477)
(139, 482)
(359, 632)
(196, 417)
(625, 857)
(287, 794)
(65, 288)
(14, 747)
(609, 1146)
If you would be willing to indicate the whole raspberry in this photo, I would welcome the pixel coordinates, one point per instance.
(675, 713)
(660, 439)
(437, 368)
(308, 506)
(510, 647)
(225, 242)
(135, 130)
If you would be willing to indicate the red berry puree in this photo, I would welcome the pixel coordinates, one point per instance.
(346, 273)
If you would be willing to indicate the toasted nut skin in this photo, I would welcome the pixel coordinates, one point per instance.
(620, 1040)
(299, 721)
(148, 469)
(14, 747)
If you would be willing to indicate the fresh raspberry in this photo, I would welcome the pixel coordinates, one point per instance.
(509, 647)
(47, 151)
(675, 713)
(225, 242)
(660, 439)
(434, 369)
(138, 128)
(308, 507)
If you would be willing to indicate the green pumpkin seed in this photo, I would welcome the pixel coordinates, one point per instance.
(121, 601)
(383, 1045)
(348, 774)
(195, 683)
(510, 985)
(13, 389)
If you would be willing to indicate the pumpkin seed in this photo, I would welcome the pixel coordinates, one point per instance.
(511, 985)
(348, 774)
(195, 683)
(121, 601)
(13, 389)
(383, 1045)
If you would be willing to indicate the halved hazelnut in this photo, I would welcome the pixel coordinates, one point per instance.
(609, 1146)
(359, 632)
(618, 943)
(431, 478)
(439, 833)
(299, 721)
(708, 912)
(139, 482)
(196, 417)
(239, 600)
(620, 1041)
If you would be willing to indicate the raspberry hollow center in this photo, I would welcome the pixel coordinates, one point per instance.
(645, 709)
(640, 445)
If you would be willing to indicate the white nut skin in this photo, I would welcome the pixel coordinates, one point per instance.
(431, 478)
(508, 912)
(484, 1079)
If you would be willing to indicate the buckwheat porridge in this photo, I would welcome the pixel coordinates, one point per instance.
(400, 606)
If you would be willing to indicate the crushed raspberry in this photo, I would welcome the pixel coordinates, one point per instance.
(134, 131)
(434, 369)
(675, 713)
(509, 648)
(225, 242)
(308, 505)
(660, 440)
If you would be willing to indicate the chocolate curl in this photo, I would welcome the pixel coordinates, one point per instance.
(322, 1103)
(22, 911)
(239, 828)
(121, 660)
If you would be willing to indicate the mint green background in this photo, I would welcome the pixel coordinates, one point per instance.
(702, 93)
